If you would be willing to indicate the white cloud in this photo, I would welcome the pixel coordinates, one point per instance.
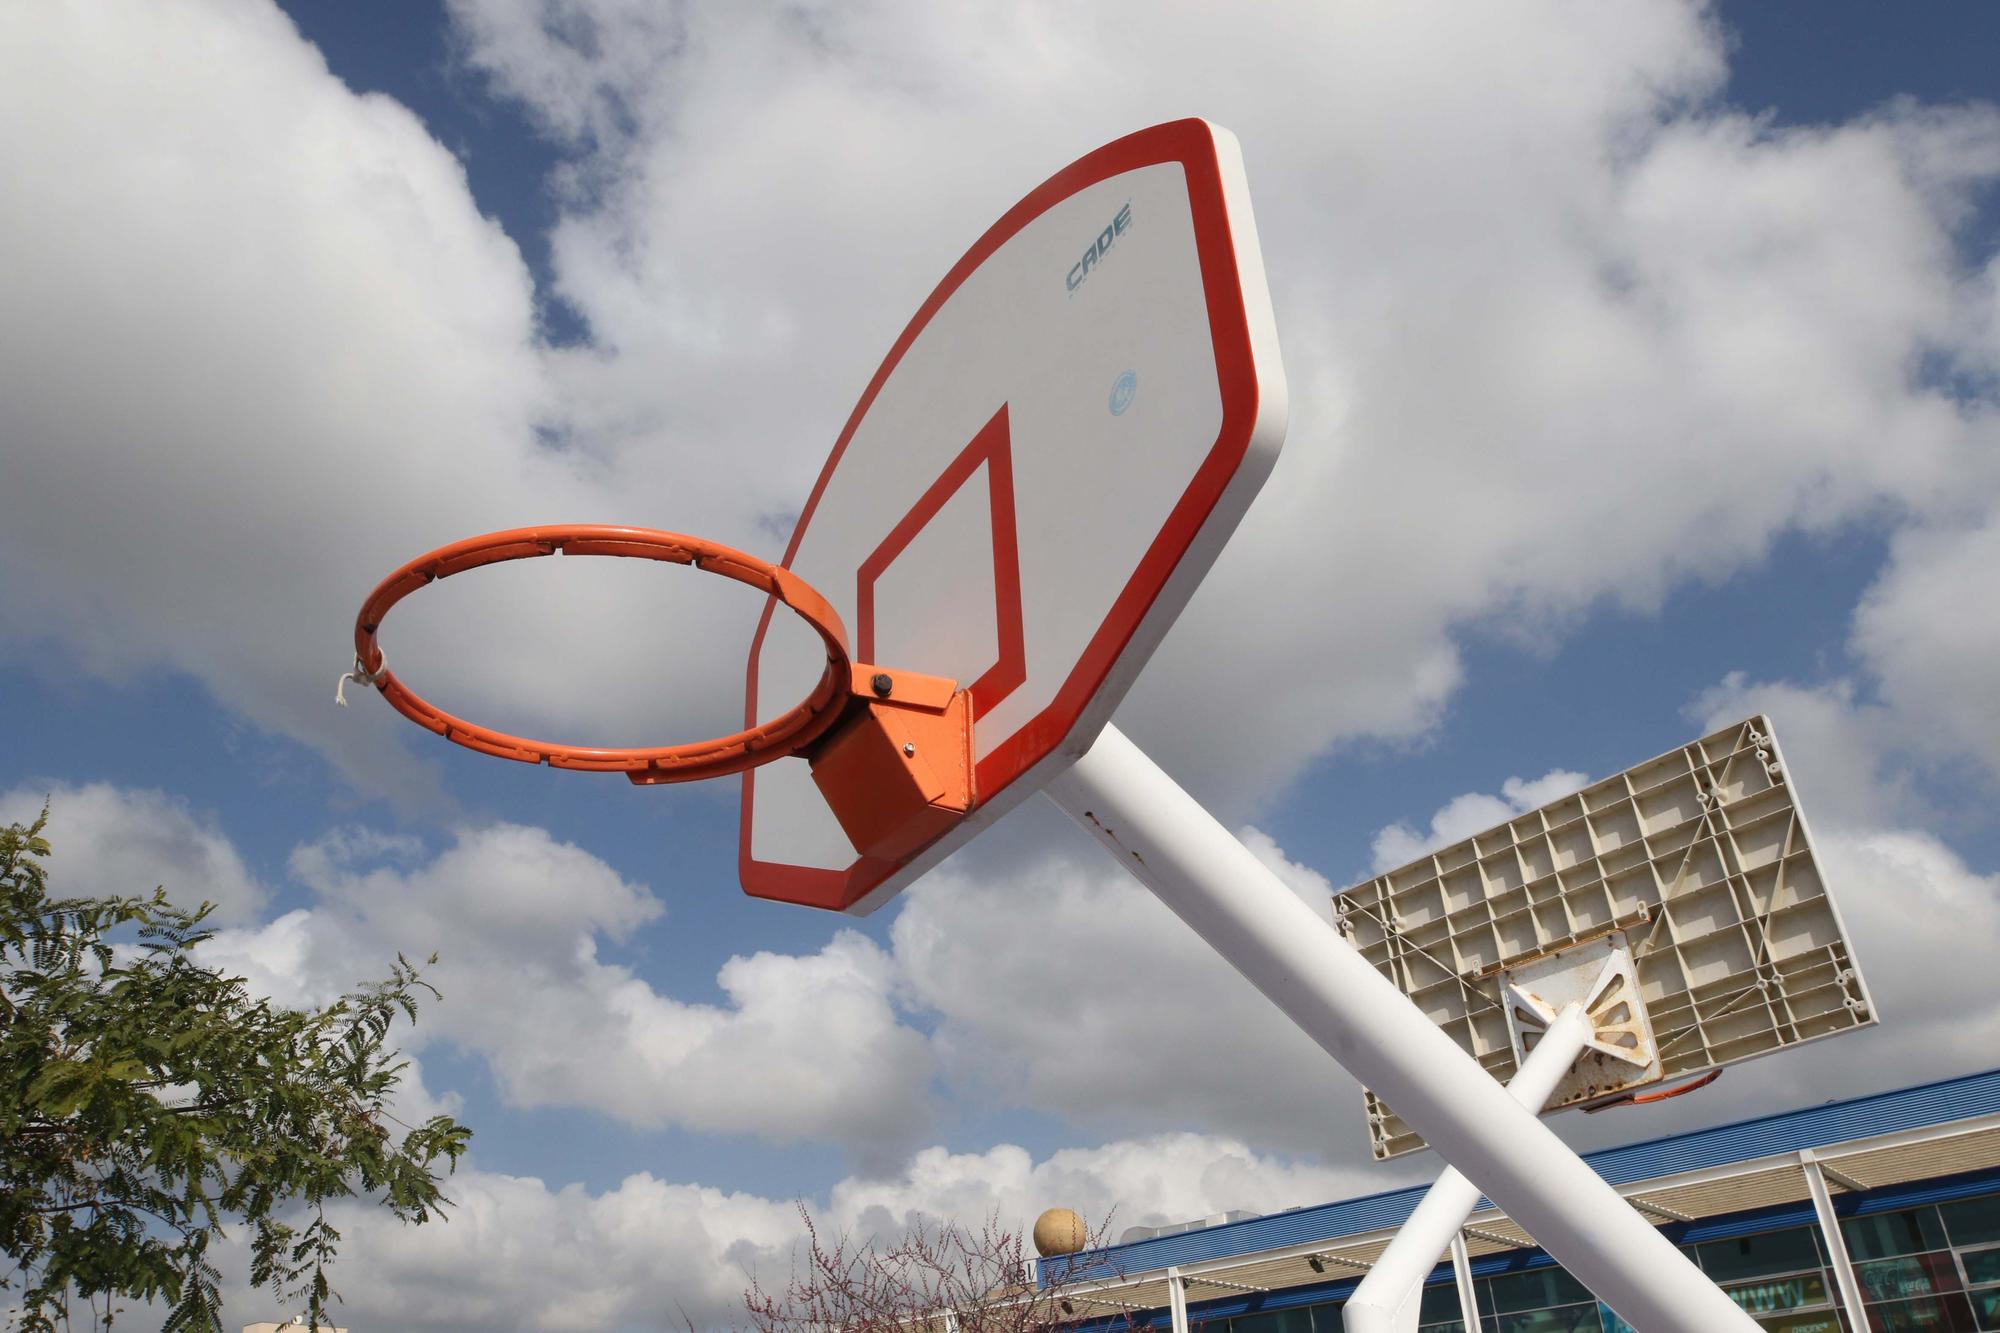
(1930, 631)
(1100, 1008)
(805, 1046)
(119, 841)
(1918, 913)
(1563, 329)
(1849, 759)
(1147, 1181)
(262, 348)
(518, 1254)
(1313, 888)
(1474, 812)
(1062, 985)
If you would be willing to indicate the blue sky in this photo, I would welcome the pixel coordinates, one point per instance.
(1645, 374)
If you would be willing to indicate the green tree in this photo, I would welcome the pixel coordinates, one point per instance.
(147, 1101)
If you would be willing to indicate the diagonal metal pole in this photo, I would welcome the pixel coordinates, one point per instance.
(1235, 903)
(1388, 1298)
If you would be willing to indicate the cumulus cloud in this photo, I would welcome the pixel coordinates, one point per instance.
(1105, 1009)
(1929, 629)
(1851, 760)
(261, 348)
(1147, 1181)
(520, 1254)
(1104, 982)
(1598, 336)
(1473, 812)
(118, 841)
(1102, 1008)
(1313, 888)
(1563, 329)
(803, 1046)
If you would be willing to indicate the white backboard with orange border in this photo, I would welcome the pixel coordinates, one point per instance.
(1034, 482)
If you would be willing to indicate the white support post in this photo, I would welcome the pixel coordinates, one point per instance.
(1388, 1299)
(1177, 1300)
(1468, 1298)
(1244, 911)
(1836, 1244)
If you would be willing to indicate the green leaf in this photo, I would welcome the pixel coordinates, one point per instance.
(147, 1101)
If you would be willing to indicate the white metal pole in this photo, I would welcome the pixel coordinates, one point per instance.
(1836, 1243)
(1388, 1299)
(1211, 881)
(1177, 1301)
(1468, 1299)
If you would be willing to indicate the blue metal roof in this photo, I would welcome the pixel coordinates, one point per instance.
(1724, 1145)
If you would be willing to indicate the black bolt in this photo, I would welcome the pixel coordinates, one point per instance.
(881, 683)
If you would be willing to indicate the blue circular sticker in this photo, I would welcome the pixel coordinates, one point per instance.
(1122, 391)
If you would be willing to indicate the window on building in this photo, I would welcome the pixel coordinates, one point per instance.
(1299, 1320)
(1537, 1288)
(1911, 1275)
(1817, 1321)
(1791, 1251)
(1440, 1312)
(1795, 1291)
(1930, 1314)
(1882, 1235)
(1563, 1319)
(1972, 1221)
(1914, 1266)
(1981, 1266)
(1972, 1227)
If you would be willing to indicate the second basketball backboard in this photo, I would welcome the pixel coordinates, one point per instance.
(1697, 864)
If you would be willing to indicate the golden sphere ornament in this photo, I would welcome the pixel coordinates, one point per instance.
(1059, 1231)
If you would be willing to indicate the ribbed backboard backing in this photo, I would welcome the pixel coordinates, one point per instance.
(1701, 856)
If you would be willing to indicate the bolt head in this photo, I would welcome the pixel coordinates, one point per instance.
(909, 747)
(881, 683)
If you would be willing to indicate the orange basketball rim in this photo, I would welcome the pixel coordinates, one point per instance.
(891, 749)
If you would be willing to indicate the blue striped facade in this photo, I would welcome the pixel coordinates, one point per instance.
(1823, 1126)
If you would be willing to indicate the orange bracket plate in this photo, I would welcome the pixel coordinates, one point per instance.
(897, 770)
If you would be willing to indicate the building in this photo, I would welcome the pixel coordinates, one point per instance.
(1888, 1204)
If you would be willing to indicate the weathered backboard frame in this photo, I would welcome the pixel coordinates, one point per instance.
(1700, 856)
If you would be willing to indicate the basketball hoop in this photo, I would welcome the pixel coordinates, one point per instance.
(788, 734)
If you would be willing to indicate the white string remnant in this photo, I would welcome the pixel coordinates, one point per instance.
(361, 676)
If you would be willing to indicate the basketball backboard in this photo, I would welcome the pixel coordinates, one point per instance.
(1048, 460)
(1697, 864)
